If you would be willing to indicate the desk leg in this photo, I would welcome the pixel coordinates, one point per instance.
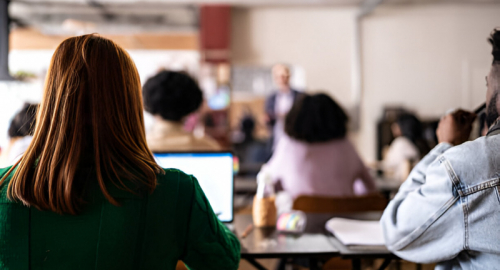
(313, 264)
(385, 264)
(356, 264)
(256, 264)
(282, 264)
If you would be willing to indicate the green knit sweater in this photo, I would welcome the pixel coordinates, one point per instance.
(174, 223)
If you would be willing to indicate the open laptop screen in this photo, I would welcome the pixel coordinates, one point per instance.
(214, 172)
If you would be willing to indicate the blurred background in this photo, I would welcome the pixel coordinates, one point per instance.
(376, 58)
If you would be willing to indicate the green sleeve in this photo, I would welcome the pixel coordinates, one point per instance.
(210, 245)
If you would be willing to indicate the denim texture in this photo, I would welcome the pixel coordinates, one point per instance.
(448, 210)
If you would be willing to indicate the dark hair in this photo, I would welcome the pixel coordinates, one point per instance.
(23, 122)
(316, 118)
(172, 95)
(495, 42)
(411, 128)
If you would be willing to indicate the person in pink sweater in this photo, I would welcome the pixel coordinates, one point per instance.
(314, 157)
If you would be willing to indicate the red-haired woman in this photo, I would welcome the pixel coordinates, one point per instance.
(87, 194)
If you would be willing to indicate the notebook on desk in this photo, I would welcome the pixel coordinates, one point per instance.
(356, 233)
(214, 171)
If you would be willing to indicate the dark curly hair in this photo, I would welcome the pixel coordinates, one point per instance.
(172, 95)
(316, 118)
(495, 43)
(410, 126)
(412, 129)
(23, 122)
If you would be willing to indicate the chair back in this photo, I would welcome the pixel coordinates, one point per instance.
(314, 204)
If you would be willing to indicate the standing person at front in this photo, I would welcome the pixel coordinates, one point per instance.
(87, 193)
(448, 210)
(279, 103)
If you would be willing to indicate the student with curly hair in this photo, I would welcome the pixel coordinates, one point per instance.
(314, 157)
(170, 97)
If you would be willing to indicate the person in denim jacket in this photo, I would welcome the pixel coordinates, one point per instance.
(448, 210)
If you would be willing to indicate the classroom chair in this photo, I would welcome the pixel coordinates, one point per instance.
(355, 204)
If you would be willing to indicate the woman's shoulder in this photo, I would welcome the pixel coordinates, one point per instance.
(3, 171)
(403, 144)
(174, 189)
(205, 143)
(4, 185)
(401, 141)
(171, 173)
(175, 178)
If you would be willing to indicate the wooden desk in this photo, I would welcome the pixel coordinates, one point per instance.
(357, 253)
(315, 243)
(268, 243)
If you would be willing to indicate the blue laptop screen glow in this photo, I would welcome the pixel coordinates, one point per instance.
(214, 172)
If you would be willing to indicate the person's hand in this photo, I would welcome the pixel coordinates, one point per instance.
(455, 128)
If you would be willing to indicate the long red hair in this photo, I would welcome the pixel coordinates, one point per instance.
(91, 111)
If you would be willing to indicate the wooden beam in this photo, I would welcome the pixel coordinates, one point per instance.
(31, 39)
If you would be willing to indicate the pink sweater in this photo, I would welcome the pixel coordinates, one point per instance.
(321, 169)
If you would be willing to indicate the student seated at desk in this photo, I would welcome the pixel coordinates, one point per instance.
(407, 147)
(314, 157)
(170, 97)
(20, 131)
(88, 193)
(448, 210)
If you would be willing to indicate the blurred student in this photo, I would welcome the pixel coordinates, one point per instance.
(249, 149)
(171, 97)
(88, 193)
(447, 211)
(314, 157)
(20, 131)
(279, 103)
(407, 147)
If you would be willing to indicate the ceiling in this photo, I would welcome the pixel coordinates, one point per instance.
(243, 2)
(134, 16)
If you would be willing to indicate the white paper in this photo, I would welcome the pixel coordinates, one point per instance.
(356, 232)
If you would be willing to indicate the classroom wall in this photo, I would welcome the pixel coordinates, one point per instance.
(429, 58)
(317, 39)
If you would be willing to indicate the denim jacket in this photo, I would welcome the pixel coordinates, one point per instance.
(448, 210)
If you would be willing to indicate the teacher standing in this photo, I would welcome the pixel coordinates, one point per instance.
(280, 102)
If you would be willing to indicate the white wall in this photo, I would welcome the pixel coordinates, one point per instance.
(13, 95)
(427, 57)
(317, 39)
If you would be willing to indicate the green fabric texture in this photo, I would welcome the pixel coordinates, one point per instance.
(174, 223)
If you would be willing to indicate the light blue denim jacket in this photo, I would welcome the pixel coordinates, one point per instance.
(448, 210)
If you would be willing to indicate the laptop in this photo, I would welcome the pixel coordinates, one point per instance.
(214, 171)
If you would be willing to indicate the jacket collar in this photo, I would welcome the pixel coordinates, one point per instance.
(495, 128)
